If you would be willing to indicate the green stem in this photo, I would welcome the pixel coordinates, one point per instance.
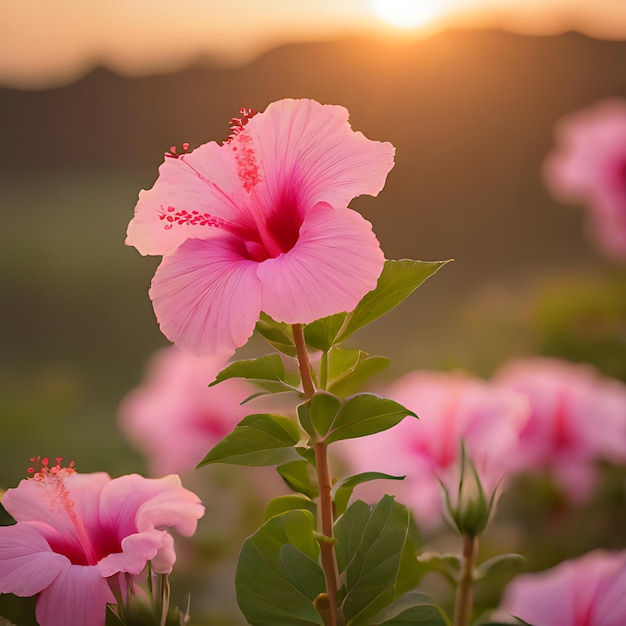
(325, 513)
(327, 548)
(303, 360)
(465, 590)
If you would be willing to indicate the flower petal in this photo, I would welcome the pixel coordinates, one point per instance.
(79, 595)
(34, 500)
(206, 296)
(335, 262)
(137, 550)
(312, 149)
(134, 504)
(164, 560)
(27, 564)
(204, 181)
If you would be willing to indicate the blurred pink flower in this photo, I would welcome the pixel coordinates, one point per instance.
(577, 417)
(587, 591)
(174, 417)
(76, 532)
(589, 166)
(261, 223)
(451, 408)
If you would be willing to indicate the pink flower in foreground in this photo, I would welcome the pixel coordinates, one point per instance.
(589, 166)
(174, 417)
(588, 591)
(76, 532)
(451, 408)
(577, 417)
(261, 223)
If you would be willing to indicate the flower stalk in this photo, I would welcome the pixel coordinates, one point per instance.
(304, 364)
(465, 590)
(332, 616)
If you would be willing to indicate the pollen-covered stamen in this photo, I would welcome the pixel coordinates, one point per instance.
(181, 217)
(241, 144)
(173, 152)
(248, 169)
(51, 481)
(40, 469)
(237, 124)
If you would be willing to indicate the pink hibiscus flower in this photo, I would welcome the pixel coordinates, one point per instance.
(577, 417)
(588, 591)
(174, 417)
(261, 223)
(451, 408)
(76, 532)
(589, 166)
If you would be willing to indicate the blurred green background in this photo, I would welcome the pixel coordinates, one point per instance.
(471, 115)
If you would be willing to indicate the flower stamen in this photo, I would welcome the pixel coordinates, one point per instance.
(52, 482)
(173, 152)
(170, 215)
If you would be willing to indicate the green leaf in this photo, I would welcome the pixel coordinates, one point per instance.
(448, 565)
(349, 530)
(348, 369)
(321, 334)
(398, 280)
(278, 576)
(317, 413)
(365, 414)
(370, 546)
(503, 565)
(292, 502)
(111, 618)
(411, 570)
(411, 609)
(278, 334)
(343, 490)
(300, 477)
(266, 371)
(259, 439)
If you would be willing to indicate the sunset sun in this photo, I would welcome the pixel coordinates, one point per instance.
(407, 13)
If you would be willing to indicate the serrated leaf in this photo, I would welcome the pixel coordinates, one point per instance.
(411, 609)
(278, 334)
(343, 490)
(266, 371)
(321, 334)
(348, 369)
(374, 540)
(277, 584)
(365, 414)
(259, 439)
(291, 502)
(318, 412)
(300, 477)
(398, 280)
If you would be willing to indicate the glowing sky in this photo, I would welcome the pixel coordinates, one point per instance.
(47, 42)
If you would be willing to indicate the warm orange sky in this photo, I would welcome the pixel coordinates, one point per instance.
(47, 42)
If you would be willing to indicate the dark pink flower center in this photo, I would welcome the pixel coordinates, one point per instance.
(265, 234)
(97, 548)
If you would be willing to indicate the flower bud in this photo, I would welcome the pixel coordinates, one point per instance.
(471, 510)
